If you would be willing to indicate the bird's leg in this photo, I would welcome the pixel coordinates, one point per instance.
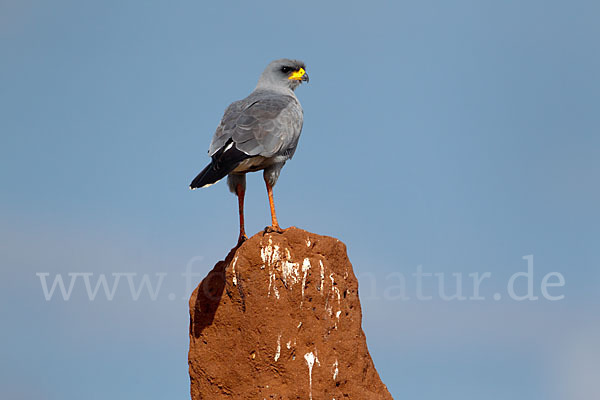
(274, 224)
(240, 191)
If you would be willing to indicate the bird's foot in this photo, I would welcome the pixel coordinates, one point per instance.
(274, 229)
(242, 238)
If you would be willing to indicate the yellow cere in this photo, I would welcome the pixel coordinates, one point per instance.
(297, 75)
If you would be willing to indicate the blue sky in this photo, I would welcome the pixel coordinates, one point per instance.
(459, 136)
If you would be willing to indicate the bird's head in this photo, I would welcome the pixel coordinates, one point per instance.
(283, 73)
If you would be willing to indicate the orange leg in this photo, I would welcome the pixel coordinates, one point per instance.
(240, 194)
(274, 224)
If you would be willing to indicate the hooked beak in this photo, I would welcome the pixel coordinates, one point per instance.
(299, 75)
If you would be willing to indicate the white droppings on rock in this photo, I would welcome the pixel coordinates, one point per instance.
(280, 266)
(289, 344)
(234, 279)
(334, 288)
(310, 361)
(305, 268)
(270, 254)
(335, 369)
(335, 294)
(278, 353)
(322, 275)
(290, 273)
(272, 280)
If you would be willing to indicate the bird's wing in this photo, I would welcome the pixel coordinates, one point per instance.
(225, 128)
(263, 126)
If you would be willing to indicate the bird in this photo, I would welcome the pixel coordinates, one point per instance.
(260, 132)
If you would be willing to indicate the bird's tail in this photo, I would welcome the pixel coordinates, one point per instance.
(210, 175)
(223, 162)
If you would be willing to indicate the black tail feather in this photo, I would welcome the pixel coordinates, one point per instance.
(223, 162)
(207, 176)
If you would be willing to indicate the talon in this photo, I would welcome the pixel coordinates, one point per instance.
(274, 229)
(242, 238)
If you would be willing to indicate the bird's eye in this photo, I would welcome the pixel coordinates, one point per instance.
(286, 70)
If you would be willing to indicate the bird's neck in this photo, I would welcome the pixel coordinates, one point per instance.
(270, 87)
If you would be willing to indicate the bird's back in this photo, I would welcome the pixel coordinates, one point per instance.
(266, 123)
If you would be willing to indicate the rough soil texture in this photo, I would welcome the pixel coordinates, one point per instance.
(280, 318)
